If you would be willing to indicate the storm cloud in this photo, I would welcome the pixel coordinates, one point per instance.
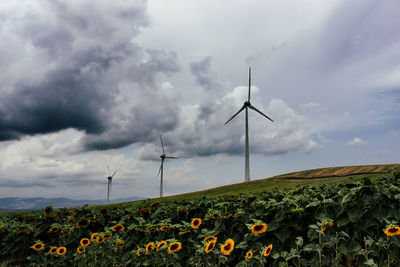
(77, 67)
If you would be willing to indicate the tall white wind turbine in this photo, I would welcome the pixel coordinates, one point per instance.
(109, 183)
(161, 170)
(246, 106)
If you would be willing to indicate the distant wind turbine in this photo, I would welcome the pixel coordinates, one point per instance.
(161, 170)
(109, 183)
(246, 106)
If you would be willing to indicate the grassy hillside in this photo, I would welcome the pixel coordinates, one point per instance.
(307, 177)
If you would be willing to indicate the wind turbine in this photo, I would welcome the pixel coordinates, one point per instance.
(246, 106)
(163, 157)
(109, 183)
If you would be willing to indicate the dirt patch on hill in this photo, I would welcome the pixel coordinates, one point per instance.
(340, 171)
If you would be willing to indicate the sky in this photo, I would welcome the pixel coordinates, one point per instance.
(86, 86)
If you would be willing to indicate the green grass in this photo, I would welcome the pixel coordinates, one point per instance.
(314, 177)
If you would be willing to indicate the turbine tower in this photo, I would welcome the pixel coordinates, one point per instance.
(109, 183)
(161, 170)
(246, 106)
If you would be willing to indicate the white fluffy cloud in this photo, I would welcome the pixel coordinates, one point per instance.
(355, 141)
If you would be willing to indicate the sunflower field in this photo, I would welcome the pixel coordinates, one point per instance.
(353, 224)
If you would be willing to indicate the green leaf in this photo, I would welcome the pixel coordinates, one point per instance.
(370, 262)
(355, 214)
(299, 241)
(342, 221)
(242, 245)
(283, 234)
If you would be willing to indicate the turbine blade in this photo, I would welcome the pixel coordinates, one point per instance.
(253, 108)
(248, 99)
(159, 170)
(171, 157)
(109, 172)
(162, 145)
(113, 174)
(240, 110)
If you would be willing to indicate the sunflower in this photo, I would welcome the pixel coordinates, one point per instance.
(53, 250)
(144, 211)
(118, 228)
(228, 247)
(120, 244)
(184, 233)
(150, 246)
(139, 253)
(93, 236)
(183, 213)
(70, 219)
(140, 228)
(80, 250)
(322, 229)
(210, 246)
(267, 250)
(61, 250)
(99, 239)
(249, 254)
(330, 224)
(64, 231)
(54, 229)
(107, 236)
(392, 230)
(155, 204)
(71, 212)
(151, 229)
(85, 242)
(196, 223)
(259, 228)
(82, 223)
(38, 246)
(161, 244)
(48, 209)
(209, 239)
(104, 211)
(174, 247)
(165, 227)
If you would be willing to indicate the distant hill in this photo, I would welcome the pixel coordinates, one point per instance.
(22, 204)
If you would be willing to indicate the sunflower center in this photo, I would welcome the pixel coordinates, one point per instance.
(227, 246)
(392, 230)
(174, 246)
(258, 227)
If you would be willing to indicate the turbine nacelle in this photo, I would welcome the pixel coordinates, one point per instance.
(109, 183)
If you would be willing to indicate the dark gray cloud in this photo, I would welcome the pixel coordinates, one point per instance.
(203, 73)
(66, 99)
(78, 68)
